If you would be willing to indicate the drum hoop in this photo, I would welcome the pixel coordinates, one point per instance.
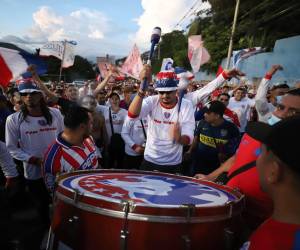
(239, 196)
(144, 217)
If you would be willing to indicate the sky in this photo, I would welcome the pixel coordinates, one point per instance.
(99, 27)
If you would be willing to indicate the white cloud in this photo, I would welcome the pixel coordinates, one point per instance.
(76, 26)
(165, 14)
(96, 34)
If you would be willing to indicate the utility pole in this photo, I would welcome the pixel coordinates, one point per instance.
(236, 12)
(62, 60)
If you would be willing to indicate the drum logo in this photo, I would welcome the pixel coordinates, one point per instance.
(148, 189)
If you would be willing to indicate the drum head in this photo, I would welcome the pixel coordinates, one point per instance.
(147, 189)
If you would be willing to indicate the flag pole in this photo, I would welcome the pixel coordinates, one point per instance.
(236, 12)
(62, 60)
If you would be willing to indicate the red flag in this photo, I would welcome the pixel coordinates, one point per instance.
(197, 54)
(220, 70)
(133, 64)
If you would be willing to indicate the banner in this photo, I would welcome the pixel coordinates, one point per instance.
(61, 50)
(197, 54)
(239, 55)
(133, 64)
(167, 64)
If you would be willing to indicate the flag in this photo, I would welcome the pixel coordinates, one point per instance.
(184, 77)
(167, 64)
(197, 54)
(14, 63)
(103, 68)
(133, 64)
(220, 70)
(62, 50)
(239, 55)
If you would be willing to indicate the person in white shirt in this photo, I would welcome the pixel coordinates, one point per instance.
(169, 129)
(241, 105)
(134, 133)
(263, 106)
(114, 118)
(28, 134)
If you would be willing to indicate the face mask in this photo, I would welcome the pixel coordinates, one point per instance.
(278, 99)
(273, 119)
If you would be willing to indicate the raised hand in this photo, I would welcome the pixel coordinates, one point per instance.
(274, 69)
(234, 73)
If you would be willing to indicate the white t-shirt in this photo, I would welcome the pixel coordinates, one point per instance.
(132, 133)
(242, 108)
(117, 119)
(31, 137)
(6, 162)
(160, 148)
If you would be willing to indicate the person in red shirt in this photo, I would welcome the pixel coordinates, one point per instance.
(278, 169)
(258, 204)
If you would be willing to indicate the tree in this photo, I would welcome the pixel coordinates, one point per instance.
(173, 45)
(260, 23)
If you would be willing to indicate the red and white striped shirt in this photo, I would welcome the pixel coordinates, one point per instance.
(62, 157)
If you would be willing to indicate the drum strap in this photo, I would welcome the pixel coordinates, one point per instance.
(223, 178)
(144, 131)
(242, 169)
(111, 123)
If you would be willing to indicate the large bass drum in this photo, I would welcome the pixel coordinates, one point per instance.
(137, 210)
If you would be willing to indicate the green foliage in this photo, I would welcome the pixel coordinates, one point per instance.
(82, 69)
(173, 45)
(260, 23)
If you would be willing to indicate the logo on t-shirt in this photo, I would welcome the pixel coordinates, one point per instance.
(167, 115)
(42, 122)
(223, 132)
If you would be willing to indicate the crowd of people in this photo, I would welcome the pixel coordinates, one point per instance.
(243, 137)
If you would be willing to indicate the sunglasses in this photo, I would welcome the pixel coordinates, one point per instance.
(26, 94)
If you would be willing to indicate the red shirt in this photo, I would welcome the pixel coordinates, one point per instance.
(258, 204)
(274, 235)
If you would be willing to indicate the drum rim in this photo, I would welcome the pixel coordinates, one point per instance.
(150, 218)
(239, 196)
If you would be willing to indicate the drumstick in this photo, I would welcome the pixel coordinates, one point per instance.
(155, 37)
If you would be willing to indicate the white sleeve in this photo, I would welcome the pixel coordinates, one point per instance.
(60, 119)
(188, 121)
(12, 135)
(127, 127)
(261, 102)
(6, 162)
(200, 94)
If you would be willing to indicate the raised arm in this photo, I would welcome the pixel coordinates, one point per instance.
(136, 104)
(112, 70)
(261, 101)
(53, 97)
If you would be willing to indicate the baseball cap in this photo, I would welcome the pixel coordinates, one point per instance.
(281, 139)
(166, 81)
(27, 86)
(216, 107)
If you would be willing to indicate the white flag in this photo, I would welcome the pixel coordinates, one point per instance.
(69, 56)
(60, 50)
(167, 64)
(133, 64)
(197, 54)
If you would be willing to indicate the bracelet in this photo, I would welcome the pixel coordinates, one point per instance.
(141, 94)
